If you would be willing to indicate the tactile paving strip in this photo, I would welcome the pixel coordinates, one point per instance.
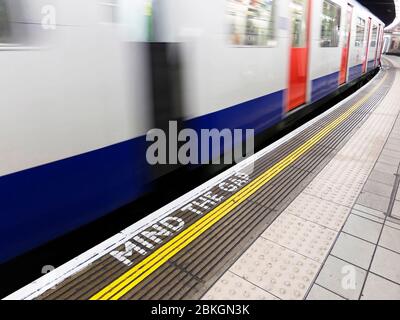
(322, 212)
(302, 236)
(233, 287)
(344, 194)
(280, 271)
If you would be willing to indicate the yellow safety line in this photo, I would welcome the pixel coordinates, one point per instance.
(146, 267)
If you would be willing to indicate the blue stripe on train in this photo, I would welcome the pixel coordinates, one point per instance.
(371, 65)
(258, 114)
(39, 204)
(355, 72)
(323, 86)
(42, 203)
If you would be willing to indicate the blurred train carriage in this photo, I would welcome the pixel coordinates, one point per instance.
(391, 41)
(84, 80)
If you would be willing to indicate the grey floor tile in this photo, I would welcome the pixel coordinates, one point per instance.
(393, 140)
(396, 209)
(383, 167)
(390, 239)
(319, 293)
(370, 211)
(342, 278)
(353, 250)
(378, 188)
(368, 216)
(392, 146)
(363, 228)
(393, 222)
(373, 201)
(389, 160)
(382, 177)
(398, 194)
(391, 153)
(377, 288)
(386, 263)
(396, 134)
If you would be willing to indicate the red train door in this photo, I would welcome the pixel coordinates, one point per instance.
(377, 41)
(381, 43)
(298, 67)
(367, 51)
(346, 45)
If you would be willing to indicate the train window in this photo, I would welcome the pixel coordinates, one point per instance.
(299, 21)
(374, 36)
(360, 32)
(136, 19)
(330, 26)
(109, 11)
(5, 31)
(251, 22)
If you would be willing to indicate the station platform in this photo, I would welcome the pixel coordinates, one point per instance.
(316, 215)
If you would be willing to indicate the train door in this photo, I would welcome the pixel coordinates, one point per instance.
(298, 68)
(346, 45)
(365, 64)
(377, 38)
(381, 47)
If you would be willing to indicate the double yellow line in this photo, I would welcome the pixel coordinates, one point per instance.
(126, 282)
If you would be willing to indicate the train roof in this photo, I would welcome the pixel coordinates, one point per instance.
(356, 3)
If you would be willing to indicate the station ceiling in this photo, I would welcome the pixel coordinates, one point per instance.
(384, 9)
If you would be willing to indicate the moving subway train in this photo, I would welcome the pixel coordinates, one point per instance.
(84, 80)
(391, 44)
